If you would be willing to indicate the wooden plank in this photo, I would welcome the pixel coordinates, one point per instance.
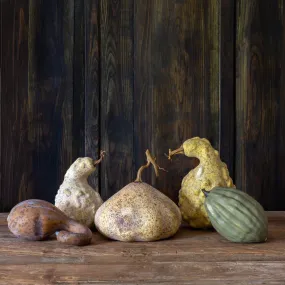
(186, 246)
(92, 85)
(15, 145)
(143, 100)
(259, 100)
(176, 81)
(227, 84)
(50, 95)
(78, 118)
(116, 30)
(272, 215)
(1, 43)
(190, 257)
(103, 252)
(158, 272)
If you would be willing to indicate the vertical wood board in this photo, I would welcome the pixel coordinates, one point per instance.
(92, 84)
(116, 44)
(260, 156)
(16, 179)
(176, 81)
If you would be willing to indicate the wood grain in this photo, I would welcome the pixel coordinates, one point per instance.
(16, 162)
(260, 100)
(92, 84)
(77, 76)
(143, 100)
(78, 117)
(176, 81)
(190, 257)
(227, 84)
(1, 47)
(229, 271)
(116, 30)
(50, 93)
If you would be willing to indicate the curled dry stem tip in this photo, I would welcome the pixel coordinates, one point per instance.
(102, 154)
(180, 150)
(150, 160)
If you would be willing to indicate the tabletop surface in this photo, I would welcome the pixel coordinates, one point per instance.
(191, 257)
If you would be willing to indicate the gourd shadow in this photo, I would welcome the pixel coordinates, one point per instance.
(187, 232)
(98, 238)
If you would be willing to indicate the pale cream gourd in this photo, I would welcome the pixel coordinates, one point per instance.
(211, 172)
(75, 197)
(138, 212)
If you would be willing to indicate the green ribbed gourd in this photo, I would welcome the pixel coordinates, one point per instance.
(236, 216)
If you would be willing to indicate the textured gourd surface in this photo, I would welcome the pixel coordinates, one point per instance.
(210, 172)
(75, 197)
(138, 212)
(236, 215)
(37, 219)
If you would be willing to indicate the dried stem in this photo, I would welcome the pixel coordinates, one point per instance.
(102, 154)
(180, 150)
(150, 160)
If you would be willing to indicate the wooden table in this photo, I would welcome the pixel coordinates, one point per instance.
(191, 257)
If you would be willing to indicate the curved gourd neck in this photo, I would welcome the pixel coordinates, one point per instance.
(79, 178)
(207, 157)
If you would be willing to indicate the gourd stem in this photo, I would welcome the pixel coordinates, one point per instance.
(206, 193)
(150, 160)
(102, 154)
(180, 150)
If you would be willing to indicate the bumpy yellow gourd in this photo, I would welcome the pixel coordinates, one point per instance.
(211, 172)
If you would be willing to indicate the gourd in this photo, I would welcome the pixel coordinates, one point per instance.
(138, 212)
(75, 197)
(37, 220)
(236, 216)
(210, 172)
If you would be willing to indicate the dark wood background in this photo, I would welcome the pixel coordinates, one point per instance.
(78, 76)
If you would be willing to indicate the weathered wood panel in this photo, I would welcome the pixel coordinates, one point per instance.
(50, 93)
(129, 75)
(176, 81)
(78, 117)
(260, 100)
(227, 84)
(190, 257)
(16, 161)
(92, 83)
(122, 76)
(116, 30)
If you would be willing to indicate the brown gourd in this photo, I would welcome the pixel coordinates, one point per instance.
(37, 220)
(138, 212)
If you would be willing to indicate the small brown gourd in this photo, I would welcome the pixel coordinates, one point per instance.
(138, 212)
(37, 220)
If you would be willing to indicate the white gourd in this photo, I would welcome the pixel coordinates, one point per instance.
(75, 197)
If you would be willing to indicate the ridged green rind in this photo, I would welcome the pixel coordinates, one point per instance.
(236, 216)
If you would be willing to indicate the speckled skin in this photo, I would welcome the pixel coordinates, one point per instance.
(75, 197)
(37, 219)
(211, 172)
(138, 212)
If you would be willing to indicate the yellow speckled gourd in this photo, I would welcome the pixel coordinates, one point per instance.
(211, 172)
